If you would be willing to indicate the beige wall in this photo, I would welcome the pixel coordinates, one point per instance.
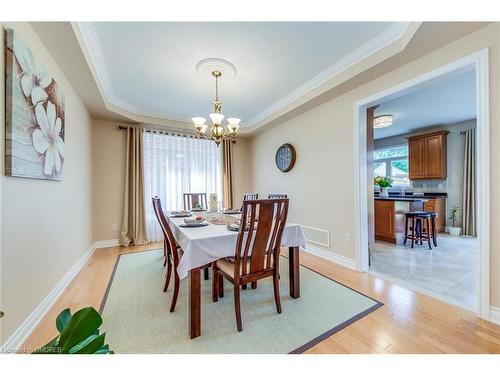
(108, 166)
(242, 174)
(321, 184)
(46, 225)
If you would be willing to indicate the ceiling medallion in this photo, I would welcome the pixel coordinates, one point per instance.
(206, 66)
(217, 130)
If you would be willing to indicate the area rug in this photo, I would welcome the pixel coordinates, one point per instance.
(137, 318)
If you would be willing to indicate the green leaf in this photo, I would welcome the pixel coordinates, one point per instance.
(63, 319)
(1, 314)
(103, 350)
(81, 344)
(81, 325)
(89, 345)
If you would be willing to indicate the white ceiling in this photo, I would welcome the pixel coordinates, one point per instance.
(150, 68)
(442, 101)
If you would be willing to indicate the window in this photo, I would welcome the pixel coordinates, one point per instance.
(175, 165)
(392, 162)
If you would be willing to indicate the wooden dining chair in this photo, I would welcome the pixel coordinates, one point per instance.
(192, 199)
(257, 252)
(171, 249)
(277, 196)
(248, 197)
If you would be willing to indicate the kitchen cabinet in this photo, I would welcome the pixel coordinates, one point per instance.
(427, 156)
(385, 228)
(390, 216)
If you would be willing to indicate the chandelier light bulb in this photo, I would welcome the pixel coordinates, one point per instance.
(216, 118)
(199, 122)
(234, 124)
(217, 130)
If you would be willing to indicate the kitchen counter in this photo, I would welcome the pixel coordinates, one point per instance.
(389, 214)
(401, 198)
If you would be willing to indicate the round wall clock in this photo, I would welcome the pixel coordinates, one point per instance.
(285, 157)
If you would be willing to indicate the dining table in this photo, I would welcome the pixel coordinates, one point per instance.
(205, 244)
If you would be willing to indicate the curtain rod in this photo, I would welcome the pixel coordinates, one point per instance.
(167, 132)
(161, 131)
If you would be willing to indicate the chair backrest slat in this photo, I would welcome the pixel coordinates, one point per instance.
(165, 227)
(250, 196)
(190, 200)
(257, 246)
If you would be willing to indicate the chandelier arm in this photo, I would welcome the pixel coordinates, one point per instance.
(203, 135)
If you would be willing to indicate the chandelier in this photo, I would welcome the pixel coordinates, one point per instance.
(218, 131)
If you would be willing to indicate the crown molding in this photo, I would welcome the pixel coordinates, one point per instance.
(399, 34)
(385, 45)
(394, 33)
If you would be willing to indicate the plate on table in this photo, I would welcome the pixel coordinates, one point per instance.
(203, 223)
(228, 211)
(198, 209)
(180, 214)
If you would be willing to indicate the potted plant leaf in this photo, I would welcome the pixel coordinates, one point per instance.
(384, 183)
(453, 230)
(78, 334)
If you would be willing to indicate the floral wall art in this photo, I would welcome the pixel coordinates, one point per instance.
(35, 121)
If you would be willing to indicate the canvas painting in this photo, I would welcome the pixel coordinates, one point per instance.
(35, 118)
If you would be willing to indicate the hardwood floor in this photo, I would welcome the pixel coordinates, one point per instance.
(408, 322)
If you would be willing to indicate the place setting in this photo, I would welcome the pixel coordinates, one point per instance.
(198, 221)
(180, 213)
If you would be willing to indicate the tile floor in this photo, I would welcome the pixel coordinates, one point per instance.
(448, 271)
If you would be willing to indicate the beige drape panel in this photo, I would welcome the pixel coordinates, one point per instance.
(134, 216)
(227, 173)
(469, 189)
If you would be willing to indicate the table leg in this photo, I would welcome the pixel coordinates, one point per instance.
(194, 303)
(293, 271)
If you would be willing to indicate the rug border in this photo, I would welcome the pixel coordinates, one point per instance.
(301, 349)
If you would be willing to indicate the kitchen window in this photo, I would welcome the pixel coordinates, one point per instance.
(392, 162)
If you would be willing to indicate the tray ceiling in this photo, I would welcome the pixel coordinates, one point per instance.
(149, 68)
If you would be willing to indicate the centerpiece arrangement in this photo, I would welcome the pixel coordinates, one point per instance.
(384, 183)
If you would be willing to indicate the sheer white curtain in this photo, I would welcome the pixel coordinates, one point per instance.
(174, 165)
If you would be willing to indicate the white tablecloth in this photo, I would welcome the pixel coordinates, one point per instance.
(203, 245)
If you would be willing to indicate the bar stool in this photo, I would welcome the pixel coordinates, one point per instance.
(433, 232)
(418, 220)
(434, 215)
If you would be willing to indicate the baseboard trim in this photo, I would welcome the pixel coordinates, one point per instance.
(494, 315)
(107, 243)
(15, 341)
(329, 255)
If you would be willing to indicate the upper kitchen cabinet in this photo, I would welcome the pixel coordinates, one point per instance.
(427, 156)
